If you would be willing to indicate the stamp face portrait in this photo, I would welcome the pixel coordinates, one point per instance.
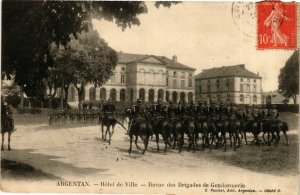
(276, 25)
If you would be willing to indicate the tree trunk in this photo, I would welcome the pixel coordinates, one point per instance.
(22, 98)
(62, 95)
(294, 98)
(80, 91)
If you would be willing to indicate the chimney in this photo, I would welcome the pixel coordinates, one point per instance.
(242, 66)
(257, 73)
(174, 58)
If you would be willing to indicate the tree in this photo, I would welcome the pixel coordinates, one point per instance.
(87, 59)
(289, 77)
(29, 28)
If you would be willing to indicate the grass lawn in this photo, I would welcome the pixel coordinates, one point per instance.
(281, 160)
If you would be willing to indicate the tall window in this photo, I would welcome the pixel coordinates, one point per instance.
(200, 89)
(241, 79)
(254, 99)
(254, 88)
(241, 88)
(248, 87)
(227, 86)
(228, 98)
(167, 81)
(182, 84)
(122, 78)
(208, 88)
(254, 80)
(242, 98)
(174, 83)
(190, 80)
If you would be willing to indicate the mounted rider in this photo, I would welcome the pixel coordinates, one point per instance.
(180, 109)
(157, 110)
(7, 120)
(171, 111)
(108, 109)
(191, 109)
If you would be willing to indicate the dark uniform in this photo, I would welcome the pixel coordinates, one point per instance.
(181, 110)
(171, 111)
(108, 110)
(7, 121)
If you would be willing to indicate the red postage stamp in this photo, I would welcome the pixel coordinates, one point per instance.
(276, 25)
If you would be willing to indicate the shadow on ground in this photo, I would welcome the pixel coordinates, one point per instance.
(43, 166)
(281, 160)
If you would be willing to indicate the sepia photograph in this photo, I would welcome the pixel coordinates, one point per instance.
(150, 97)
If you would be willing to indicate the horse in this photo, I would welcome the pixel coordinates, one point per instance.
(138, 127)
(212, 129)
(271, 126)
(189, 129)
(109, 121)
(178, 133)
(234, 130)
(161, 127)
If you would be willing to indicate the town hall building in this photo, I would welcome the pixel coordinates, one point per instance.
(145, 77)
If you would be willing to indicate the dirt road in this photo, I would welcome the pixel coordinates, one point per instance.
(77, 153)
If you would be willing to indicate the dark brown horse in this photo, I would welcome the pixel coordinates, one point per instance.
(138, 127)
(109, 121)
(161, 127)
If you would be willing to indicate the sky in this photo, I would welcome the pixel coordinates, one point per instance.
(202, 35)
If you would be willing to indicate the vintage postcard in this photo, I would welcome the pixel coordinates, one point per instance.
(133, 97)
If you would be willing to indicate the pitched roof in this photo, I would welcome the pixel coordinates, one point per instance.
(236, 70)
(125, 58)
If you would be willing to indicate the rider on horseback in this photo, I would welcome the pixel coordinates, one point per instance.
(171, 111)
(7, 120)
(138, 113)
(108, 109)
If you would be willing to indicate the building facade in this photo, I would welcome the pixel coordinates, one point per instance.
(147, 77)
(229, 84)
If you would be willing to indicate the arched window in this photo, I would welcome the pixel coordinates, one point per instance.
(102, 94)
(160, 94)
(174, 97)
(142, 94)
(92, 94)
(113, 94)
(151, 95)
(182, 96)
(131, 95)
(122, 95)
(167, 96)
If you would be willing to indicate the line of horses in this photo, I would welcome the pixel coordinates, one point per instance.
(218, 132)
(73, 116)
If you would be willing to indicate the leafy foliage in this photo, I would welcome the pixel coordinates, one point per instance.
(83, 60)
(289, 77)
(29, 28)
